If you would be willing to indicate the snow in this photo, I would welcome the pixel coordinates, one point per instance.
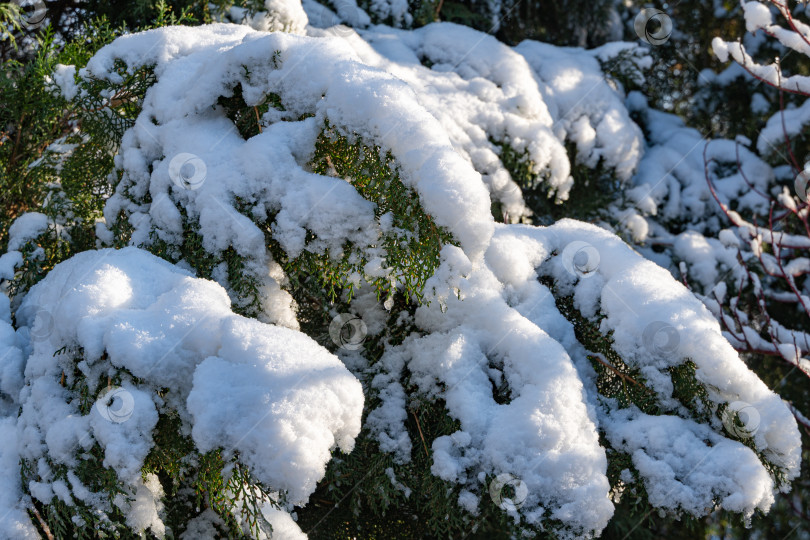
(505, 321)
(655, 296)
(237, 382)
(678, 185)
(9, 262)
(14, 522)
(65, 79)
(288, 445)
(11, 361)
(283, 15)
(533, 97)
(591, 113)
(684, 464)
(239, 168)
(283, 525)
(671, 180)
(758, 16)
(26, 227)
(790, 122)
(261, 389)
(144, 510)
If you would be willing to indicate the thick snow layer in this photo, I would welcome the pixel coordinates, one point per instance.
(533, 97)
(494, 325)
(482, 92)
(685, 464)
(492, 343)
(656, 323)
(14, 522)
(25, 228)
(284, 527)
(192, 77)
(268, 393)
(545, 434)
(591, 113)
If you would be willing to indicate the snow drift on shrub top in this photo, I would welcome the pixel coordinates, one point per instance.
(269, 393)
(489, 316)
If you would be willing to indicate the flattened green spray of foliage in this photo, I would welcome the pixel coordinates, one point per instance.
(412, 247)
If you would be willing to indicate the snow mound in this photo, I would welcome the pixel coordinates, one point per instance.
(269, 395)
(496, 326)
(491, 341)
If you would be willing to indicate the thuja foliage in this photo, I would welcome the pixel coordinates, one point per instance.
(32, 118)
(192, 481)
(412, 247)
(56, 155)
(364, 494)
(368, 494)
(320, 283)
(619, 380)
(594, 189)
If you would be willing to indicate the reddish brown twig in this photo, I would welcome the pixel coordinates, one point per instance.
(421, 435)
